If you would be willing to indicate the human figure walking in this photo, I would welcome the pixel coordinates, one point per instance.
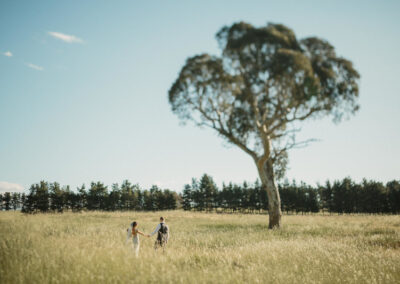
(133, 232)
(162, 231)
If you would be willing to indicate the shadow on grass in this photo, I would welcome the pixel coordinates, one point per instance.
(383, 237)
(386, 243)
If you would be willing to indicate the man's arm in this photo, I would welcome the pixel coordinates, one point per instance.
(156, 230)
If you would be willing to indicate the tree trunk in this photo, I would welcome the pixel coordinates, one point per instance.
(266, 174)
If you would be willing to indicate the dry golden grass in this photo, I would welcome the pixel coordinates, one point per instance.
(204, 248)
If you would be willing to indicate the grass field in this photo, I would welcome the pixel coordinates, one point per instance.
(204, 248)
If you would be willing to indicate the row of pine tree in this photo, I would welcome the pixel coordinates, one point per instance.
(345, 196)
(51, 197)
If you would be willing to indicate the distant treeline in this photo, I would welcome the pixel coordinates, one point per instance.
(51, 197)
(344, 196)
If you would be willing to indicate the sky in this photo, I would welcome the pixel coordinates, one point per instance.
(83, 91)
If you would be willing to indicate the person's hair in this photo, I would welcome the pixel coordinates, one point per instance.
(162, 218)
(134, 224)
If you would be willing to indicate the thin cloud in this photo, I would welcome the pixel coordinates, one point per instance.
(65, 37)
(10, 187)
(36, 67)
(8, 54)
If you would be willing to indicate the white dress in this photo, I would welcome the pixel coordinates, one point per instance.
(135, 240)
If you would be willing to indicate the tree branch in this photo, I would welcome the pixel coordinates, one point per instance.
(221, 130)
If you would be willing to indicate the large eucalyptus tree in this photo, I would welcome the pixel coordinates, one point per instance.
(264, 82)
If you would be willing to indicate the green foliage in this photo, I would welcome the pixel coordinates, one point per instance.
(264, 82)
(208, 190)
(47, 197)
(58, 197)
(7, 201)
(345, 196)
(38, 199)
(393, 191)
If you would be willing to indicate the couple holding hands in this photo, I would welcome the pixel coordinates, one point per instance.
(161, 230)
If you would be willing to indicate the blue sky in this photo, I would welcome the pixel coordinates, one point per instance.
(83, 91)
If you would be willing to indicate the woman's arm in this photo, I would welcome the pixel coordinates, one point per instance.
(140, 233)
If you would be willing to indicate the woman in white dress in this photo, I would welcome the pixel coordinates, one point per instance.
(134, 233)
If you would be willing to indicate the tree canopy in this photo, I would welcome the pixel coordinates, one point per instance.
(264, 80)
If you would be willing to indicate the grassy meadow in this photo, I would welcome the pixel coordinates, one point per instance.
(204, 248)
